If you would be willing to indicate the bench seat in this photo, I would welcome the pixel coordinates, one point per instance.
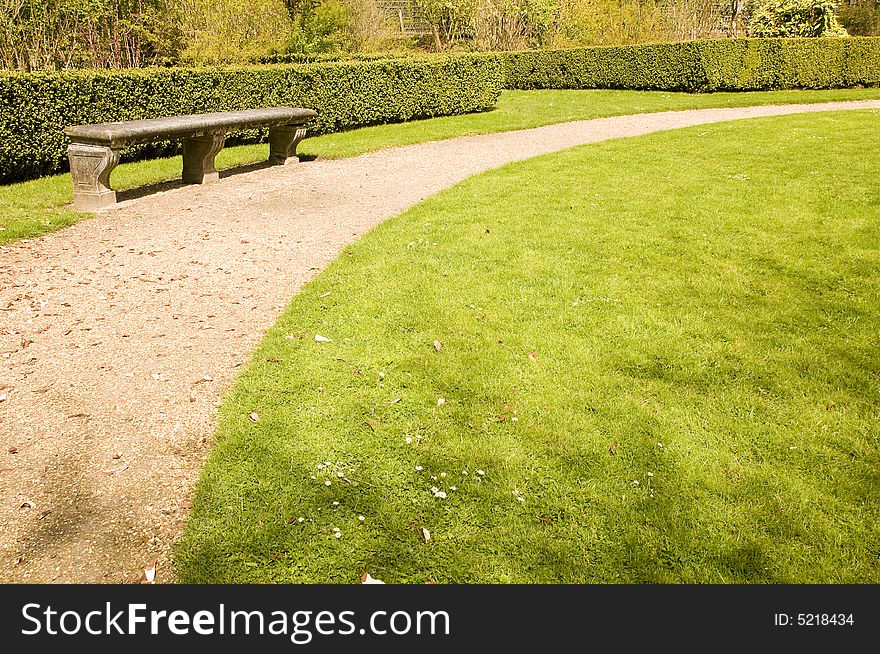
(94, 149)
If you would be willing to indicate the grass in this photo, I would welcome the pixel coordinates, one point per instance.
(672, 358)
(36, 207)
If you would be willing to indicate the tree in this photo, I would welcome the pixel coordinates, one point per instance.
(804, 18)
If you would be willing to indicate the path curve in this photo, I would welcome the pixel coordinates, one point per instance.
(119, 335)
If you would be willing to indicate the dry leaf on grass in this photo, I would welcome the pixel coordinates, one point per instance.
(425, 534)
(437, 345)
(612, 448)
(367, 579)
(254, 417)
(322, 339)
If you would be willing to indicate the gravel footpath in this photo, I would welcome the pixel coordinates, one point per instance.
(119, 335)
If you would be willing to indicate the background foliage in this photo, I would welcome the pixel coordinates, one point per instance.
(63, 34)
(806, 18)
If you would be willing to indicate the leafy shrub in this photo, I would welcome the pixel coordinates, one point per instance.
(787, 18)
(861, 18)
(35, 108)
(716, 65)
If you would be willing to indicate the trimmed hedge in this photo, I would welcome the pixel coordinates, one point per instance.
(35, 108)
(699, 66)
(322, 57)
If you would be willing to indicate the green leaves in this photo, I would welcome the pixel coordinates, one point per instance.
(699, 66)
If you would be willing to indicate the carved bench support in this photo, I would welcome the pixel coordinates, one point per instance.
(198, 158)
(90, 168)
(282, 143)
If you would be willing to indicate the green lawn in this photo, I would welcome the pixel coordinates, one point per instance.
(667, 369)
(36, 207)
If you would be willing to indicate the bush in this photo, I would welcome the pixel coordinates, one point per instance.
(35, 108)
(861, 18)
(717, 65)
(787, 18)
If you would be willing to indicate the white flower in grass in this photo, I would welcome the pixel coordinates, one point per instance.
(320, 466)
(338, 534)
(434, 490)
(418, 468)
(408, 440)
(335, 503)
(336, 530)
(520, 498)
(441, 401)
(453, 488)
(300, 520)
(361, 518)
(442, 474)
(433, 477)
(481, 472)
(340, 474)
(464, 473)
(650, 474)
(328, 483)
(312, 477)
(440, 495)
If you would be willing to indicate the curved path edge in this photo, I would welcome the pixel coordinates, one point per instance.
(119, 335)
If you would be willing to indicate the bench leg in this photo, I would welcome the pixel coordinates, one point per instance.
(282, 143)
(198, 158)
(90, 168)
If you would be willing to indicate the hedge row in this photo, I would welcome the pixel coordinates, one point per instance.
(322, 57)
(698, 66)
(35, 108)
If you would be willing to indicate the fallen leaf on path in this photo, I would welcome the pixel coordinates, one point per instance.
(116, 470)
(27, 504)
(78, 415)
(205, 378)
(148, 574)
(43, 389)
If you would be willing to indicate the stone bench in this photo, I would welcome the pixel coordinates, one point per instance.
(94, 149)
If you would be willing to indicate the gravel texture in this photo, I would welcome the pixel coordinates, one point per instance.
(119, 335)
